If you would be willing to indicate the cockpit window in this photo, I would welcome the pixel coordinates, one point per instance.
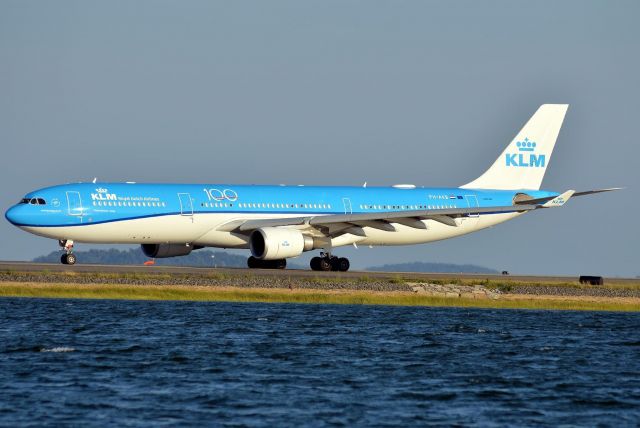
(33, 201)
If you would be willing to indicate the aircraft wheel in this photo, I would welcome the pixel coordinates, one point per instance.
(315, 263)
(343, 264)
(325, 264)
(68, 259)
(279, 264)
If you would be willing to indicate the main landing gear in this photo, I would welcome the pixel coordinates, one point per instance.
(68, 258)
(254, 263)
(327, 262)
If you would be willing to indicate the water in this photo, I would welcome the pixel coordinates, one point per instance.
(166, 363)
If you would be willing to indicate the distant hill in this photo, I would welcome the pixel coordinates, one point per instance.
(134, 256)
(432, 268)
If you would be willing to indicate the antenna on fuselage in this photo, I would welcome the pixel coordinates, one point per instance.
(95, 179)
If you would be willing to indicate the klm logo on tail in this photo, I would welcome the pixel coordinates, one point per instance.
(526, 156)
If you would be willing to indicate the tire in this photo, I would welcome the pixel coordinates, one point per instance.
(71, 259)
(315, 263)
(253, 263)
(280, 264)
(324, 265)
(63, 259)
(343, 264)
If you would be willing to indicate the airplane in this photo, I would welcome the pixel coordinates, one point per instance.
(280, 222)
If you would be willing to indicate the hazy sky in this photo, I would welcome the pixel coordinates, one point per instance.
(332, 93)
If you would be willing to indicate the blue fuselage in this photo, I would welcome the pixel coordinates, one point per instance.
(95, 203)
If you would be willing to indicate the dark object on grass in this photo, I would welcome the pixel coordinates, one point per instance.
(592, 280)
(505, 272)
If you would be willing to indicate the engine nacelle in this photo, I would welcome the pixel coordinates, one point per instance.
(159, 251)
(272, 243)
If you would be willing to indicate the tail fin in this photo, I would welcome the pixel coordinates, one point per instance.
(523, 163)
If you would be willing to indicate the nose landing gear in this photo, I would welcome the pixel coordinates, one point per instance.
(326, 262)
(68, 258)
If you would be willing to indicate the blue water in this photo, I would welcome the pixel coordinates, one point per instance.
(234, 364)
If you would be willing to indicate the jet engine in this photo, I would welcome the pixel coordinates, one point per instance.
(273, 243)
(159, 251)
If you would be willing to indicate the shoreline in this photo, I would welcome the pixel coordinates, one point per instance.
(224, 293)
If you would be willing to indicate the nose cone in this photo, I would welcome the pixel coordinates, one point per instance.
(13, 215)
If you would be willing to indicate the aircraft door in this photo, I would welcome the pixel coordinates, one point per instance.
(472, 202)
(186, 204)
(347, 205)
(74, 204)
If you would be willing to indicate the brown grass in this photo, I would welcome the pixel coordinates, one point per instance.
(237, 294)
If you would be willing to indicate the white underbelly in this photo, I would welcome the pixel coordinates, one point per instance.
(209, 230)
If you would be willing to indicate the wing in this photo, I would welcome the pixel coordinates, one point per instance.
(337, 224)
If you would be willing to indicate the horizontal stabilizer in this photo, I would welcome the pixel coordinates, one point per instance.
(591, 192)
(544, 201)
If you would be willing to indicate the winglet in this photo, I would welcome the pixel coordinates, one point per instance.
(559, 200)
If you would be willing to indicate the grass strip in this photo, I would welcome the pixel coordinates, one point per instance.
(236, 294)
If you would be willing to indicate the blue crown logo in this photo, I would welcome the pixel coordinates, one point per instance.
(526, 145)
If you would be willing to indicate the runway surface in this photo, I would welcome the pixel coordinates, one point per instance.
(54, 267)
